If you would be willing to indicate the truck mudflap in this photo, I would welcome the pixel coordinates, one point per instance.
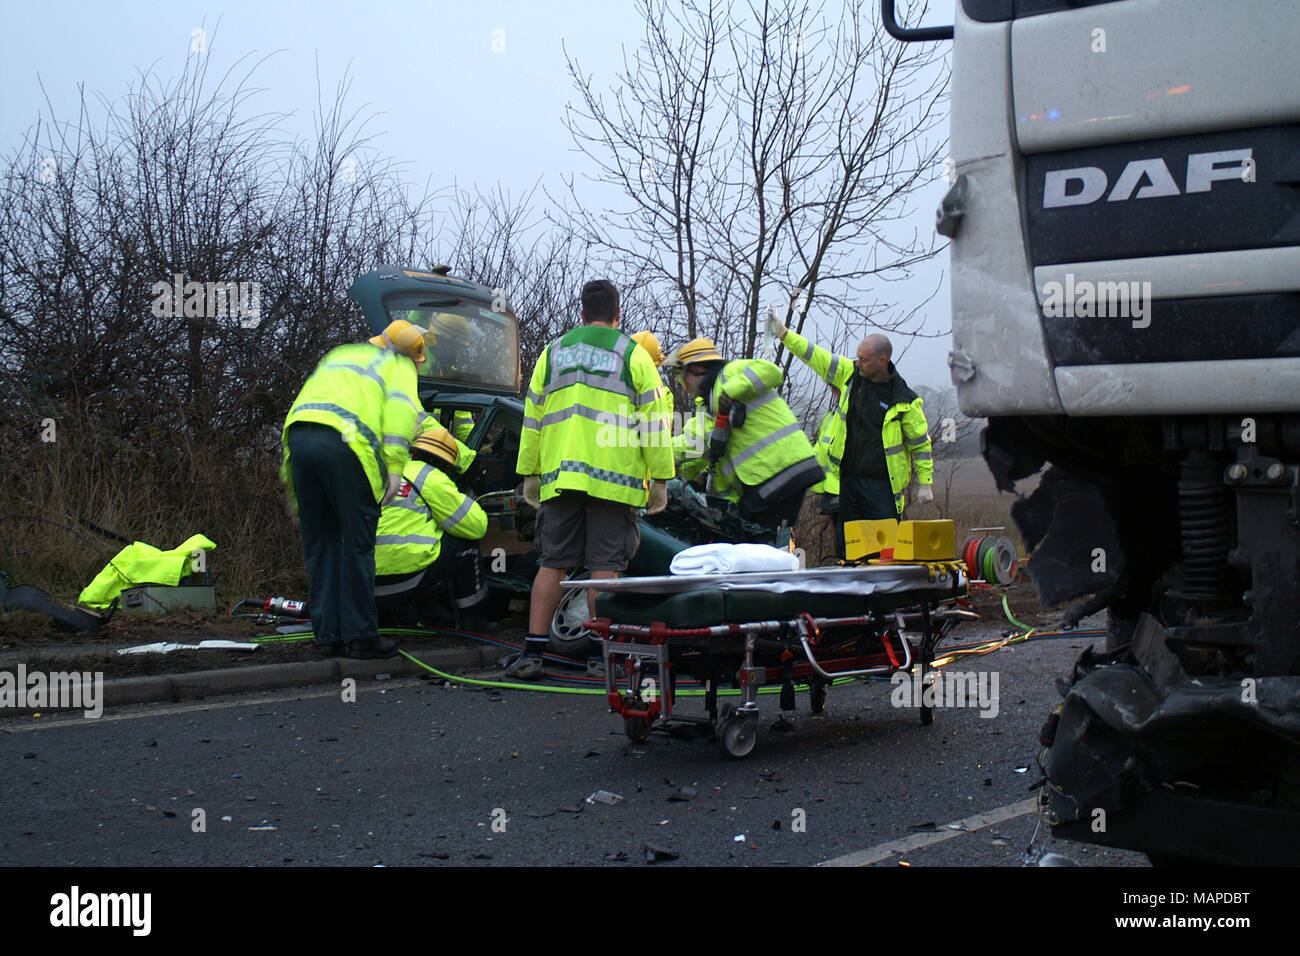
(1207, 771)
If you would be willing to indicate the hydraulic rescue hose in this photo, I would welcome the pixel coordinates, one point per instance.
(508, 685)
(951, 654)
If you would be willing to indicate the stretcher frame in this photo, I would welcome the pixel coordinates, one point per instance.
(809, 649)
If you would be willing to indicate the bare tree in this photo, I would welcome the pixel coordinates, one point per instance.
(146, 384)
(952, 441)
(762, 152)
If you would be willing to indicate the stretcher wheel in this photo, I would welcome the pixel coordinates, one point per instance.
(636, 728)
(817, 696)
(736, 735)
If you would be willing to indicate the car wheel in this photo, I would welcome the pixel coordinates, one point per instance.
(568, 637)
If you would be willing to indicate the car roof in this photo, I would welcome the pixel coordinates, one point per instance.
(369, 290)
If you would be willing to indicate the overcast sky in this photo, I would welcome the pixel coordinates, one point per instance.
(492, 71)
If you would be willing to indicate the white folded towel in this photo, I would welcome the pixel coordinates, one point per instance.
(731, 558)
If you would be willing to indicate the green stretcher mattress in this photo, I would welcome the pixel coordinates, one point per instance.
(683, 601)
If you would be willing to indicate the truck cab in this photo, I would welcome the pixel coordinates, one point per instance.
(1124, 215)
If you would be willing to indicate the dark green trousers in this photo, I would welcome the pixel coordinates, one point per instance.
(339, 517)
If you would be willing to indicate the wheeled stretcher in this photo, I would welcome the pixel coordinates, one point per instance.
(764, 628)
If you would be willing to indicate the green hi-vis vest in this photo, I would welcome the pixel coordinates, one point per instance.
(412, 524)
(369, 394)
(904, 433)
(769, 453)
(460, 424)
(596, 418)
(830, 434)
(689, 449)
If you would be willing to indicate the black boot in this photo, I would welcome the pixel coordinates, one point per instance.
(375, 648)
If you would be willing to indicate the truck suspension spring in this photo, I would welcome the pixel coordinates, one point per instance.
(1203, 520)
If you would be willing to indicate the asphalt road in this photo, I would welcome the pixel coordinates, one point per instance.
(417, 773)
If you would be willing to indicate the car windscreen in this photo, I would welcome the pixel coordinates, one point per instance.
(465, 340)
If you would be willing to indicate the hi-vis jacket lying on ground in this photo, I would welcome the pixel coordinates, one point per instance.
(141, 563)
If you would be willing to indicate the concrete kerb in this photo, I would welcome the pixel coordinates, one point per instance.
(197, 685)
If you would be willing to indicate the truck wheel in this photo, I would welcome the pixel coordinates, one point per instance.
(568, 637)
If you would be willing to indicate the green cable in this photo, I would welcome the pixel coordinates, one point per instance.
(586, 691)
(991, 565)
(728, 692)
(1007, 608)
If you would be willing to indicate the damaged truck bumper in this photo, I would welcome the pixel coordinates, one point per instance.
(1205, 772)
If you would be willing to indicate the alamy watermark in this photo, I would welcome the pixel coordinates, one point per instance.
(946, 689)
(77, 909)
(1102, 300)
(209, 300)
(59, 690)
(648, 431)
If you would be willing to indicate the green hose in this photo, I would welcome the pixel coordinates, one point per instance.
(508, 686)
(546, 688)
(990, 566)
(1007, 608)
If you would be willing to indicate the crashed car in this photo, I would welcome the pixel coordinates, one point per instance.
(470, 382)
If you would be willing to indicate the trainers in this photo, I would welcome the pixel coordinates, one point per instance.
(525, 667)
(596, 667)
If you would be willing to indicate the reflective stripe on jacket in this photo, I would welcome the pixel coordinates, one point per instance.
(830, 434)
(904, 434)
(596, 418)
(411, 526)
(370, 395)
(769, 453)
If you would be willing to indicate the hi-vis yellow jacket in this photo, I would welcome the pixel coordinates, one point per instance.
(370, 395)
(904, 433)
(770, 453)
(830, 434)
(689, 449)
(412, 524)
(596, 418)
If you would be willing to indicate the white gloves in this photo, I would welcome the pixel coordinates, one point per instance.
(775, 327)
(533, 490)
(394, 482)
(658, 498)
(925, 494)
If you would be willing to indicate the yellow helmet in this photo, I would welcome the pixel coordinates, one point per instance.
(437, 441)
(454, 328)
(648, 342)
(404, 337)
(698, 350)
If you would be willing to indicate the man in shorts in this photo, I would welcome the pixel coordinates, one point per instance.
(596, 446)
